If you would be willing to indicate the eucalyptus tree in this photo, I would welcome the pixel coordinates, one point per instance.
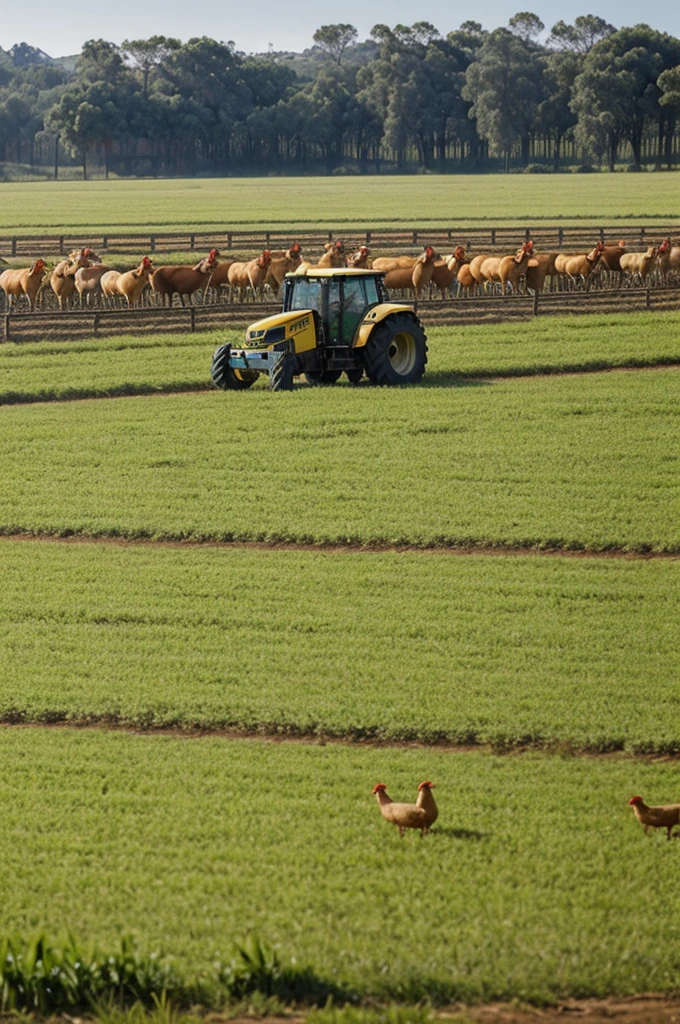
(616, 96)
(503, 86)
(146, 55)
(335, 39)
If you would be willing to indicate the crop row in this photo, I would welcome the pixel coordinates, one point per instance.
(489, 650)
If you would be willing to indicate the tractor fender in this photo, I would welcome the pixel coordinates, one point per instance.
(375, 316)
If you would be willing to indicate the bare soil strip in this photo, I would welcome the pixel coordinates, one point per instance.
(271, 732)
(329, 548)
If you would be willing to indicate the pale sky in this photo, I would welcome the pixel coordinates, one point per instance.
(61, 31)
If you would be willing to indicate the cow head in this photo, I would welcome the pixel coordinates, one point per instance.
(295, 249)
(265, 259)
(459, 252)
(147, 263)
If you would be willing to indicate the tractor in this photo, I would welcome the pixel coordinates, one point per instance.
(334, 321)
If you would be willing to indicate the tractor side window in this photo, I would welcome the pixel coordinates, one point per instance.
(372, 295)
(307, 294)
(334, 306)
(355, 304)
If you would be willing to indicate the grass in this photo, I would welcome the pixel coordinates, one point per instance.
(571, 462)
(551, 651)
(530, 886)
(41, 371)
(68, 207)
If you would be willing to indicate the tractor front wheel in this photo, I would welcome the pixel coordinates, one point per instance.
(281, 377)
(225, 377)
(396, 351)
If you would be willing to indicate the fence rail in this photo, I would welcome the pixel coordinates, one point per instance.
(76, 324)
(249, 242)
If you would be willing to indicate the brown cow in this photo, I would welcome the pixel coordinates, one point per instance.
(23, 282)
(183, 280)
(511, 268)
(446, 270)
(283, 261)
(413, 278)
(540, 266)
(250, 275)
(360, 259)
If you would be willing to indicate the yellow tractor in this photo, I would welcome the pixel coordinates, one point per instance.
(333, 322)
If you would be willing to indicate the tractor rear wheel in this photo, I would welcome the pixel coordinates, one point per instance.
(281, 377)
(396, 351)
(225, 377)
(322, 376)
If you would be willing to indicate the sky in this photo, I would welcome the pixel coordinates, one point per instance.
(288, 26)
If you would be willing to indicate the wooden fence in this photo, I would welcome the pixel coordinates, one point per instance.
(249, 242)
(76, 324)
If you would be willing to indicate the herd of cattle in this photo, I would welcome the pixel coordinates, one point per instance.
(82, 280)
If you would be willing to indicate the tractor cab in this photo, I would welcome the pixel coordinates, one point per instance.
(333, 321)
(341, 300)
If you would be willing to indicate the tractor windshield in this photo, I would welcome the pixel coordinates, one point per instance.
(306, 294)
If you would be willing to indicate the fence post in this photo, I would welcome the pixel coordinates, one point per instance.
(95, 325)
(61, 245)
(192, 242)
(602, 234)
(527, 235)
(493, 236)
(536, 302)
(415, 237)
(368, 238)
(267, 236)
(105, 242)
(14, 247)
(152, 244)
(229, 239)
(642, 236)
(5, 328)
(192, 315)
(560, 237)
(648, 298)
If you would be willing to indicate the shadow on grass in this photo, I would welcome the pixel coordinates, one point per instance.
(469, 834)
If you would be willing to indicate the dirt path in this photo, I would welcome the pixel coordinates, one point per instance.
(332, 548)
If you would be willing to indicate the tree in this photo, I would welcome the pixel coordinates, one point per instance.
(335, 39)
(503, 87)
(580, 37)
(147, 54)
(616, 97)
(526, 25)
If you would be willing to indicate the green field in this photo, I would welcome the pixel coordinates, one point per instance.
(137, 365)
(531, 885)
(565, 462)
(401, 646)
(232, 203)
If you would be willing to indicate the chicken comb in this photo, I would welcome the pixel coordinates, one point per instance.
(634, 800)
(428, 785)
(379, 788)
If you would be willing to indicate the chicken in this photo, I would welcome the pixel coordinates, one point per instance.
(420, 815)
(655, 817)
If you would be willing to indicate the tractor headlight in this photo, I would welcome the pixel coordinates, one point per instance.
(274, 335)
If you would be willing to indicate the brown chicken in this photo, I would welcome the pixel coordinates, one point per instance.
(656, 817)
(420, 815)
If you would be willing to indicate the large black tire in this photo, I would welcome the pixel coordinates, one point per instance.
(281, 377)
(225, 377)
(322, 376)
(396, 352)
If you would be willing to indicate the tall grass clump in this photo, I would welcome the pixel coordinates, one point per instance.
(39, 977)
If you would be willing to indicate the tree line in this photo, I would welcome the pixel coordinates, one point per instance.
(406, 99)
